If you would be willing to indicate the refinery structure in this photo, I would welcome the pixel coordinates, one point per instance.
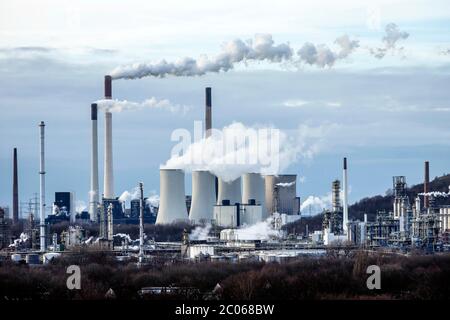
(240, 219)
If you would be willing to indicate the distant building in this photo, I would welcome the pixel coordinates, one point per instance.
(117, 210)
(135, 212)
(5, 234)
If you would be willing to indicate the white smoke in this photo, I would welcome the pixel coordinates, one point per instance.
(153, 200)
(435, 194)
(286, 184)
(314, 205)
(130, 195)
(115, 105)
(263, 230)
(259, 49)
(392, 36)
(322, 56)
(80, 206)
(200, 232)
(270, 153)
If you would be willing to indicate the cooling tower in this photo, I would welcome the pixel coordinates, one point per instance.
(15, 189)
(203, 197)
(253, 189)
(281, 194)
(172, 205)
(229, 191)
(93, 194)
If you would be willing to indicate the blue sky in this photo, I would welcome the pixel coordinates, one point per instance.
(386, 115)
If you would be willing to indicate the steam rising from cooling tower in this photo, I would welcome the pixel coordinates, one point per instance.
(172, 205)
(229, 191)
(203, 197)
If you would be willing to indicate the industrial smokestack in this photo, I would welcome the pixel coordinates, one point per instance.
(253, 189)
(108, 87)
(336, 196)
(203, 197)
(15, 189)
(93, 194)
(426, 185)
(108, 181)
(172, 205)
(345, 200)
(229, 191)
(42, 187)
(208, 112)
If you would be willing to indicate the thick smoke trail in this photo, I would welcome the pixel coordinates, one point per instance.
(322, 56)
(129, 195)
(435, 194)
(261, 48)
(392, 36)
(152, 103)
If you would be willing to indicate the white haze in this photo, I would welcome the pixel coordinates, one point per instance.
(80, 206)
(314, 205)
(114, 105)
(200, 232)
(211, 155)
(259, 231)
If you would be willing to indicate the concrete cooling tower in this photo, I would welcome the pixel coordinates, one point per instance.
(281, 194)
(253, 189)
(172, 205)
(229, 191)
(203, 197)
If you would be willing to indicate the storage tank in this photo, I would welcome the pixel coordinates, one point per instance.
(203, 197)
(281, 193)
(253, 189)
(172, 205)
(229, 191)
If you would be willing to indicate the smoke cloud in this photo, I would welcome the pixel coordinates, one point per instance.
(435, 194)
(130, 195)
(200, 232)
(285, 184)
(261, 48)
(314, 205)
(322, 56)
(115, 105)
(392, 36)
(263, 230)
(238, 149)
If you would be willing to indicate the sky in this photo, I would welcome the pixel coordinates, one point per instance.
(387, 115)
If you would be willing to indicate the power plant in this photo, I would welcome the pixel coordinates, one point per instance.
(228, 218)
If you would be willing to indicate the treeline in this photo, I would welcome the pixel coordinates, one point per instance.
(416, 277)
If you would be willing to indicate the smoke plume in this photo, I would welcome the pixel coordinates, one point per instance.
(322, 56)
(200, 232)
(115, 105)
(237, 149)
(315, 205)
(262, 230)
(285, 184)
(261, 48)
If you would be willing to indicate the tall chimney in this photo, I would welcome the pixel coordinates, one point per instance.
(141, 222)
(345, 200)
(208, 112)
(426, 185)
(93, 194)
(15, 190)
(108, 181)
(42, 188)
